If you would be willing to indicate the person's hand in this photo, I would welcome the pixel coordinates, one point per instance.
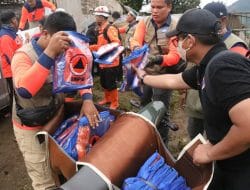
(136, 48)
(139, 72)
(201, 154)
(58, 43)
(89, 110)
(27, 38)
(155, 60)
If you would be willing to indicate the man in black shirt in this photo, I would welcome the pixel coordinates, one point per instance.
(223, 80)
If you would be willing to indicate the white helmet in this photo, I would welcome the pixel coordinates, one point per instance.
(102, 11)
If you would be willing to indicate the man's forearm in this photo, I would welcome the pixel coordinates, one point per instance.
(234, 143)
(167, 81)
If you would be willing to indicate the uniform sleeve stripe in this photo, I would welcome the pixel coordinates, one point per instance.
(24, 93)
(46, 61)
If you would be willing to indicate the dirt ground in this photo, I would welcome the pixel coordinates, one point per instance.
(13, 174)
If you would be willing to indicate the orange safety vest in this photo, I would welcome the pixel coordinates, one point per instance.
(113, 36)
(34, 14)
(9, 43)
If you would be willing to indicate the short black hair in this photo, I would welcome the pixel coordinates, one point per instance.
(7, 16)
(116, 15)
(169, 2)
(210, 39)
(42, 21)
(59, 21)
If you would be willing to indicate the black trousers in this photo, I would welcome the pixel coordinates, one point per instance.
(231, 179)
(108, 78)
(11, 91)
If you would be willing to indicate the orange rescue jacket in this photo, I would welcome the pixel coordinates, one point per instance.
(113, 36)
(9, 43)
(34, 14)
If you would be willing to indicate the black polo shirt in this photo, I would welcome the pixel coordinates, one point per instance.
(223, 80)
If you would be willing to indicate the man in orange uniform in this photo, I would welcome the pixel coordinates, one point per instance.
(9, 43)
(152, 30)
(108, 72)
(33, 11)
(31, 67)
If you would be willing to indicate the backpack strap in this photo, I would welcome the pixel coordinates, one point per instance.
(105, 32)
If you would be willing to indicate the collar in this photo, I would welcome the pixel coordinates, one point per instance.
(166, 23)
(227, 34)
(212, 52)
(204, 62)
(37, 6)
(36, 47)
(104, 25)
(9, 30)
(132, 23)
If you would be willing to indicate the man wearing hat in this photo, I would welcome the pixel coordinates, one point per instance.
(163, 54)
(231, 40)
(130, 29)
(108, 72)
(233, 43)
(222, 78)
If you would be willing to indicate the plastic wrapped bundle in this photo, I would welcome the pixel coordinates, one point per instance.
(155, 174)
(72, 70)
(139, 58)
(108, 53)
(76, 137)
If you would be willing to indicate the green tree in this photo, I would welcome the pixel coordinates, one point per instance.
(135, 4)
(180, 6)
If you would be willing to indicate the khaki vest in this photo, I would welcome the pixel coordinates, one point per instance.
(129, 34)
(44, 95)
(157, 41)
(233, 39)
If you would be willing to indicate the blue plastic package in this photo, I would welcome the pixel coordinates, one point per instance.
(104, 49)
(65, 124)
(72, 70)
(135, 54)
(109, 57)
(155, 174)
(104, 124)
(139, 58)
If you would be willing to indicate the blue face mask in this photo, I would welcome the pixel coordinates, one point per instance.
(181, 50)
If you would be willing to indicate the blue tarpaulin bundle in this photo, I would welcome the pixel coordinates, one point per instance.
(155, 174)
(108, 53)
(72, 70)
(139, 58)
(76, 137)
(135, 54)
(104, 123)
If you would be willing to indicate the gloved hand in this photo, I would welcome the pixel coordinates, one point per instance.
(155, 60)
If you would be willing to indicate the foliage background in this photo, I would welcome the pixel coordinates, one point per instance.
(179, 6)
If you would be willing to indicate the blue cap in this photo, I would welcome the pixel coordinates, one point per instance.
(217, 8)
(196, 21)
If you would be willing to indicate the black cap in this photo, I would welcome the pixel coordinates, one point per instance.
(196, 21)
(7, 16)
(217, 8)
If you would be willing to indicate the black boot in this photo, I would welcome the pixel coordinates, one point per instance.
(164, 126)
